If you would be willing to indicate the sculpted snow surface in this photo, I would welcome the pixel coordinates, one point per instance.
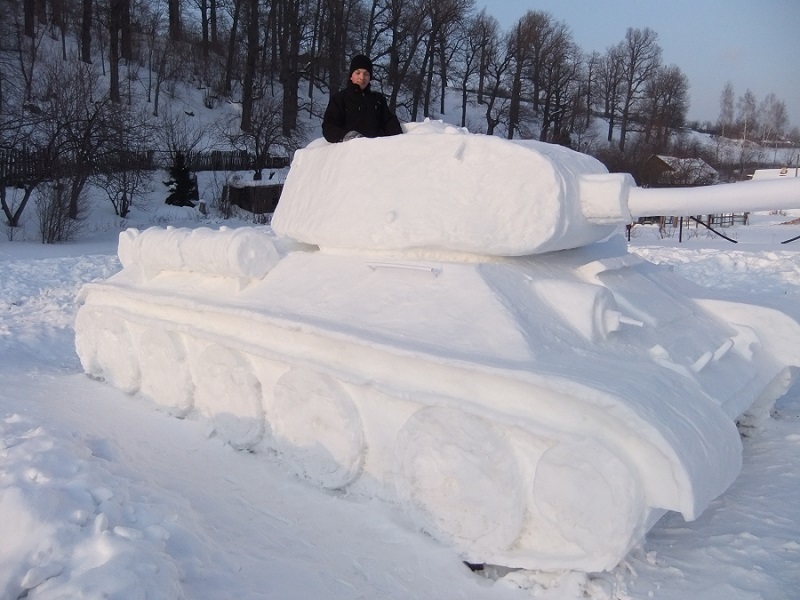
(394, 336)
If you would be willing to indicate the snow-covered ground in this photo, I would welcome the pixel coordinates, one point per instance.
(105, 495)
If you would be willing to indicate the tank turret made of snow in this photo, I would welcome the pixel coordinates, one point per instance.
(405, 330)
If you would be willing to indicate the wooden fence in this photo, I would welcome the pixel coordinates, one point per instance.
(22, 166)
(218, 160)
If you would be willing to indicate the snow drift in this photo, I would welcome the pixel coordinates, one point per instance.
(394, 335)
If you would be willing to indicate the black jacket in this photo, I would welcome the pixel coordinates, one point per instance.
(364, 111)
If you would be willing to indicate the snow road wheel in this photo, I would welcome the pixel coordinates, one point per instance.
(165, 374)
(317, 428)
(589, 495)
(105, 347)
(227, 392)
(459, 479)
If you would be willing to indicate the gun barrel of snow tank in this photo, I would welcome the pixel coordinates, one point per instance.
(745, 196)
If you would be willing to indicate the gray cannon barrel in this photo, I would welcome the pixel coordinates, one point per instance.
(745, 196)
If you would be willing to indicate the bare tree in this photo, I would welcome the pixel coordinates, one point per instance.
(520, 51)
(773, 118)
(52, 213)
(86, 31)
(80, 132)
(122, 172)
(747, 115)
(176, 133)
(290, 37)
(251, 63)
(15, 132)
(665, 104)
(559, 85)
(641, 58)
(169, 65)
(611, 76)
(29, 17)
(444, 18)
(232, 39)
(473, 39)
(123, 186)
(498, 64)
(26, 51)
(406, 27)
(336, 29)
(213, 23)
(175, 22)
(725, 121)
(488, 29)
(64, 135)
(265, 137)
(114, 25)
(590, 89)
(747, 124)
(202, 5)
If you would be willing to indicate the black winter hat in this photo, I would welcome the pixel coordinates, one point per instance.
(360, 62)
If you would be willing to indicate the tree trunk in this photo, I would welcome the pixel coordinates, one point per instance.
(237, 7)
(442, 74)
(429, 85)
(174, 10)
(464, 99)
(58, 21)
(212, 21)
(78, 183)
(289, 75)
(419, 95)
(337, 42)
(12, 218)
(516, 100)
(29, 9)
(113, 52)
(126, 47)
(250, 66)
(162, 68)
(41, 11)
(86, 32)
(204, 25)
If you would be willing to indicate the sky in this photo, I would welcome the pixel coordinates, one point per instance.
(754, 45)
(194, 463)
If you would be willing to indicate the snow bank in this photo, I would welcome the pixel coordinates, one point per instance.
(66, 533)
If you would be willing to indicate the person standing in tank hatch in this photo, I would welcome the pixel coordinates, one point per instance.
(357, 111)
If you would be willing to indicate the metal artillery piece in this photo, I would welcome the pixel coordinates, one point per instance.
(439, 320)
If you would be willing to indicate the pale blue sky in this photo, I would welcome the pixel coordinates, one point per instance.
(753, 44)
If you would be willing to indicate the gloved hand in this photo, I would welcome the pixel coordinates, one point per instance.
(351, 135)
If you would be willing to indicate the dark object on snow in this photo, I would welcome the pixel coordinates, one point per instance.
(364, 111)
(182, 183)
(257, 199)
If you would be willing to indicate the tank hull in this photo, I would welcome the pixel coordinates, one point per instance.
(447, 386)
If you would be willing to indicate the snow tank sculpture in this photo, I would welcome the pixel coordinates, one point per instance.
(406, 329)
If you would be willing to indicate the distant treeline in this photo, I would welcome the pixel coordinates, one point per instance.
(83, 83)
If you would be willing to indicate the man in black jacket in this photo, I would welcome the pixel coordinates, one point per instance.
(357, 111)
